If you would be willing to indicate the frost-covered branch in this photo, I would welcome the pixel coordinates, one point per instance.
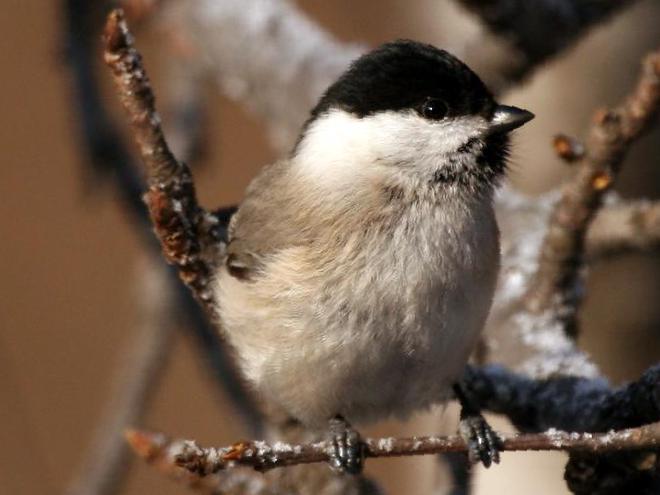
(263, 456)
(164, 455)
(534, 32)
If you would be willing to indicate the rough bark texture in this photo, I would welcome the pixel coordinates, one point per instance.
(190, 236)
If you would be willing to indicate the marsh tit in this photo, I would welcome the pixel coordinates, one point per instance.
(360, 269)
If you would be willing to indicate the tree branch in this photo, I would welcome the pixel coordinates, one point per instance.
(163, 454)
(557, 280)
(189, 235)
(263, 456)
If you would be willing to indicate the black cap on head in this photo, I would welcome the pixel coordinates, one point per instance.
(404, 74)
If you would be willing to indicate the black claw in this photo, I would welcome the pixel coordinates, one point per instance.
(483, 443)
(347, 453)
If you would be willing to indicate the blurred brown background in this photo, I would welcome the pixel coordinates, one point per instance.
(68, 256)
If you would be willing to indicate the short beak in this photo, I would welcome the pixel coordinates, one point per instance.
(505, 119)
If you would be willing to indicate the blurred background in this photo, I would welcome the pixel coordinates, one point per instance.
(71, 260)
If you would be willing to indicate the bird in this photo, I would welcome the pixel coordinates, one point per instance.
(360, 268)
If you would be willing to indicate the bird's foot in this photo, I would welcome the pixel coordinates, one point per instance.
(484, 445)
(346, 447)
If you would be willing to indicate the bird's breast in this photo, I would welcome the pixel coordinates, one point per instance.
(398, 303)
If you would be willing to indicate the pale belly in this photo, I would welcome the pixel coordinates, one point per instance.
(373, 340)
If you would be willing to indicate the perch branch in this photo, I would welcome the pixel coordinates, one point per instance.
(629, 226)
(622, 419)
(533, 32)
(263, 456)
(188, 234)
(557, 281)
(163, 454)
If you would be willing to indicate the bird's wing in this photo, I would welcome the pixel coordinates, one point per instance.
(265, 223)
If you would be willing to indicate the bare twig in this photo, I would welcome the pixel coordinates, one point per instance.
(157, 451)
(263, 456)
(162, 453)
(188, 234)
(535, 31)
(557, 281)
(628, 226)
(569, 402)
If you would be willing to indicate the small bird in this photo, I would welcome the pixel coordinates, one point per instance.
(360, 269)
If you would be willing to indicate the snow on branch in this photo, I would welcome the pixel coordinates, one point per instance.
(263, 456)
(202, 472)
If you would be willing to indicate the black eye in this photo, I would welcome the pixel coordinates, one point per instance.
(434, 109)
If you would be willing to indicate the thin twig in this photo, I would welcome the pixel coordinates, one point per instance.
(106, 463)
(557, 281)
(624, 227)
(572, 403)
(162, 453)
(188, 234)
(263, 456)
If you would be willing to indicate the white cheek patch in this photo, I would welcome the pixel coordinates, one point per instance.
(341, 147)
